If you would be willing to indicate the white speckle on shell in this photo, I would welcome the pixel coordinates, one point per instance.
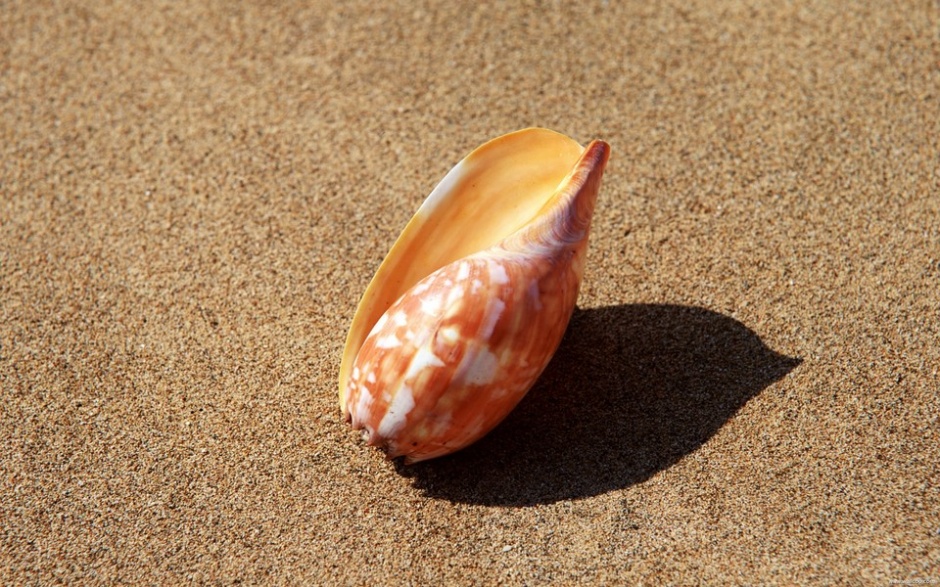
(365, 401)
(534, 294)
(431, 305)
(398, 411)
(498, 274)
(463, 271)
(480, 367)
(454, 297)
(450, 334)
(493, 312)
(388, 342)
(441, 424)
(423, 359)
(380, 324)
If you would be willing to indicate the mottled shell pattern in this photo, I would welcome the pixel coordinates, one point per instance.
(472, 301)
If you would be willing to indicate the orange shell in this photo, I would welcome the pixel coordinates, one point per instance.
(473, 299)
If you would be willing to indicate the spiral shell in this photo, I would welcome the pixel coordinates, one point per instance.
(473, 299)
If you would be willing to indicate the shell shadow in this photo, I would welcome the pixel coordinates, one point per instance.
(632, 389)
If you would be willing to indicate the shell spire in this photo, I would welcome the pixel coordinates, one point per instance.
(471, 303)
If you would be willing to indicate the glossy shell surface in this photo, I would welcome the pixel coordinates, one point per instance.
(472, 301)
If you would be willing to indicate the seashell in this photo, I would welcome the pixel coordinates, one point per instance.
(472, 301)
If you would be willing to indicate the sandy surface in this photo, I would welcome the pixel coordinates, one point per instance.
(193, 196)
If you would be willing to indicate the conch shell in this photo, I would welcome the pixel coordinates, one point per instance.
(473, 299)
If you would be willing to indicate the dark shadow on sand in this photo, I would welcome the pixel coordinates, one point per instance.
(632, 389)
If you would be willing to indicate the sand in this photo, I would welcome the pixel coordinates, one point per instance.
(193, 196)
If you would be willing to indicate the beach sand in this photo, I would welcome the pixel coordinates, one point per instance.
(193, 197)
